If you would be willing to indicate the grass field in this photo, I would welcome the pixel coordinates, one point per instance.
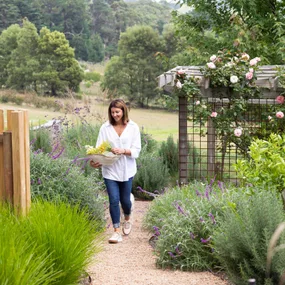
(160, 124)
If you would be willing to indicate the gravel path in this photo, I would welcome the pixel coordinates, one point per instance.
(132, 261)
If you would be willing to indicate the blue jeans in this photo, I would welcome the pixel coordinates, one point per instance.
(119, 192)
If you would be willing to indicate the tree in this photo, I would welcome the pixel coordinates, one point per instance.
(95, 48)
(9, 14)
(136, 61)
(59, 69)
(255, 27)
(8, 43)
(23, 63)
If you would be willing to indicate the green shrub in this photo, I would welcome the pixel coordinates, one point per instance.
(41, 139)
(54, 179)
(148, 143)
(152, 175)
(266, 165)
(168, 151)
(92, 76)
(75, 139)
(66, 236)
(52, 245)
(242, 239)
(183, 221)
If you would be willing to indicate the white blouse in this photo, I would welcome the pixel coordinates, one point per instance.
(125, 167)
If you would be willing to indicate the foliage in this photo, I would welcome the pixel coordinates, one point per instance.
(266, 165)
(53, 245)
(44, 63)
(41, 140)
(152, 175)
(94, 76)
(169, 153)
(183, 220)
(236, 25)
(133, 73)
(66, 236)
(54, 179)
(147, 142)
(242, 239)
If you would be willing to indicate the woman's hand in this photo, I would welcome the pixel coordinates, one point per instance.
(118, 150)
(95, 164)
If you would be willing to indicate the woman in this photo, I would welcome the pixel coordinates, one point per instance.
(124, 137)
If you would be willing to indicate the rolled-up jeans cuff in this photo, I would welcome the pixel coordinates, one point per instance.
(117, 225)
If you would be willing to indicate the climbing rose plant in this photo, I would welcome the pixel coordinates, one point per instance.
(232, 77)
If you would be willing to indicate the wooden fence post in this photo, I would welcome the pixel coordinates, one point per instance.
(2, 191)
(18, 154)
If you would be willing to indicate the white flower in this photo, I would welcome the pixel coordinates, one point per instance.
(197, 102)
(234, 79)
(245, 56)
(211, 65)
(178, 84)
(269, 118)
(238, 132)
(213, 57)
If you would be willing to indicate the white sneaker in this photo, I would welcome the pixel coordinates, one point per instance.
(127, 227)
(115, 238)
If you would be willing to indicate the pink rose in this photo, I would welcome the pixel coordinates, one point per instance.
(280, 115)
(251, 70)
(238, 132)
(253, 62)
(211, 65)
(279, 99)
(213, 57)
(197, 102)
(249, 75)
(180, 72)
(214, 114)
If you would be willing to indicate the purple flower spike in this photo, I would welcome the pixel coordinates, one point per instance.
(192, 235)
(201, 220)
(212, 217)
(221, 186)
(178, 252)
(198, 193)
(39, 181)
(171, 254)
(205, 240)
(156, 230)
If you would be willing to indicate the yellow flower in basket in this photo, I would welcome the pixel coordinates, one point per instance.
(103, 147)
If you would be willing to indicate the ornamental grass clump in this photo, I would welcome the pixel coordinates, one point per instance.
(242, 239)
(52, 245)
(183, 221)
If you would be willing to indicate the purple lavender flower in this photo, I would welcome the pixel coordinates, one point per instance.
(212, 217)
(178, 252)
(207, 194)
(59, 154)
(32, 181)
(201, 220)
(205, 240)
(156, 230)
(149, 193)
(221, 186)
(171, 254)
(192, 235)
(198, 193)
(39, 181)
(179, 208)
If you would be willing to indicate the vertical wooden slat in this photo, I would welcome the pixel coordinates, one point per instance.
(211, 158)
(2, 190)
(9, 122)
(8, 168)
(18, 154)
(27, 158)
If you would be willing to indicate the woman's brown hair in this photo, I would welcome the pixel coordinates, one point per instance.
(118, 103)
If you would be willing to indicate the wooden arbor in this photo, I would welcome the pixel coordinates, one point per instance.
(266, 79)
(15, 160)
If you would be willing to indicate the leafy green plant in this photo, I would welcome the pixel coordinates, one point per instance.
(52, 245)
(183, 221)
(41, 139)
(243, 236)
(266, 165)
(65, 235)
(92, 76)
(168, 151)
(152, 175)
(54, 179)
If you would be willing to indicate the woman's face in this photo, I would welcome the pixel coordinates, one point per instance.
(117, 114)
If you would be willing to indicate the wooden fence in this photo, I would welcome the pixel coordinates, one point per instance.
(15, 160)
